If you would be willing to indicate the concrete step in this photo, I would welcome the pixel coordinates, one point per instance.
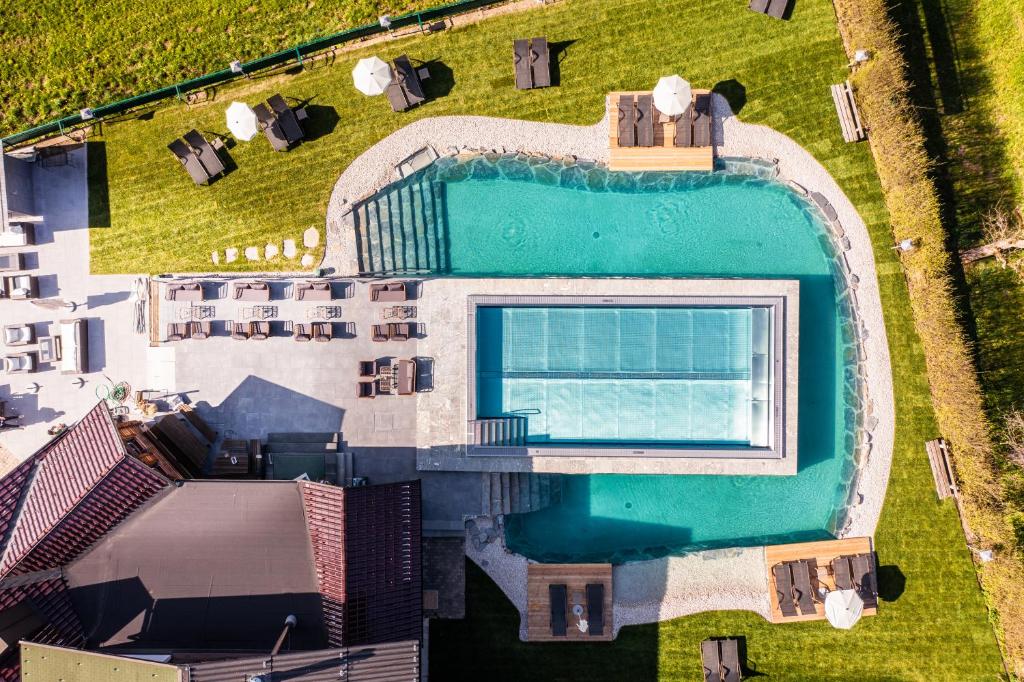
(506, 494)
(312, 437)
(301, 446)
(496, 504)
(513, 496)
(535, 492)
(525, 498)
(556, 490)
(485, 494)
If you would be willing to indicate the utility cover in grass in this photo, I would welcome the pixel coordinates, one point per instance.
(310, 238)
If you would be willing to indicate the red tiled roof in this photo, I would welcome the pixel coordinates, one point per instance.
(49, 597)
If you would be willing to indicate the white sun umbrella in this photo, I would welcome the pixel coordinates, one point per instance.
(371, 76)
(672, 95)
(843, 608)
(242, 121)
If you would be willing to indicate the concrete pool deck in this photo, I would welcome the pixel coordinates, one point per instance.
(720, 579)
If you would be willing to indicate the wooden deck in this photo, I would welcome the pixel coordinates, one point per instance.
(823, 553)
(664, 155)
(575, 577)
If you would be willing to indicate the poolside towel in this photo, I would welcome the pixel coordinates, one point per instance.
(627, 121)
(802, 586)
(784, 589)
(559, 602)
(595, 609)
(645, 120)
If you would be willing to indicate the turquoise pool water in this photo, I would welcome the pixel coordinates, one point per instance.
(623, 375)
(512, 218)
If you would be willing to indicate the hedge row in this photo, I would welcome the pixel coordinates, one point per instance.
(898, 145)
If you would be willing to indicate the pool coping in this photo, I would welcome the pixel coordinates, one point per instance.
(782, 296)
(709, 580)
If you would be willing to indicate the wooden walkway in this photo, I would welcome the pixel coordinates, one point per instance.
(823, 553)
(664, 155)
(575, 577)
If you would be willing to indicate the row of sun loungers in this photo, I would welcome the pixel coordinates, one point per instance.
(636, 121)
(251, 291)
(406, 88)
(795, 592)
(532, 62)
(198, 157)
(558, 597)
(721, 660)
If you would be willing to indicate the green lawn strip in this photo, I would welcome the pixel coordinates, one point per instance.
(62, 55)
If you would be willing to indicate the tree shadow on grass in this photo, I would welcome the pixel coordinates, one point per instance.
(98, 181)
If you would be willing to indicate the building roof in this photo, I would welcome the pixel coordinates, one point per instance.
(214, 565)
(50, 663)
(35, 607)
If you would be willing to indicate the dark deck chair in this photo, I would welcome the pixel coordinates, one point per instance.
(784, 589)
(627, 121)
(711, 661)
(409, 80)
(730, 657)
(760, 6)
(645, 121)
(286, 117)
(260, 330)
(200, 330)
(863, 567)
(557, 596)
(176, 331)
(240, 330)
(777, 8)
(271, 128)
(540, 56)
(367, 368)
(842, 573)
(702, 121)
(396, 96)
(206, 153)
(802, 587)
(303, 332)
(323, 331)
(366, 389)
(595, 609)
(400, 331)
(380, 332)
(684, 128)
(521, 62)
(190, 161)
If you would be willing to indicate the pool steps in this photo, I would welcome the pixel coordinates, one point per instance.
(500, 431)
(518, 492)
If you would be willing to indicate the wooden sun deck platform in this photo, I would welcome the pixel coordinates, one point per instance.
(664, 155)
(823, 553)
(575, 577)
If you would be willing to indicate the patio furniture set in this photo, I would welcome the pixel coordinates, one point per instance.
(386, 377)
(70, 347)
(558, 597)
(199, 157)
(394, 292)
(795, 591)
(406, 87)
(636, 122)
(281, 124)
(532, 62)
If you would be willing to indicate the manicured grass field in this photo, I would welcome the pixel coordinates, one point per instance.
(61, 55)
(932, 623)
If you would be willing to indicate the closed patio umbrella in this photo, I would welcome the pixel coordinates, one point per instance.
(371, 76)
(242, 121)
(672, 95)
(843, 608)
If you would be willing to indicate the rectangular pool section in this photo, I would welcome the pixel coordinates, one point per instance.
(615, 375)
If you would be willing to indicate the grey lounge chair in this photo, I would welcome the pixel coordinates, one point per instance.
(206, 153)
(842, 573)
(702, 121)
(595, 609)
(729, 654)
(540, 58)
(711, 661)
(784, 589)
(396, 96)
(190, 161)
(627, 121)
(21, 363)
(777, 8)
(559, 602)
(645, 121)
(409, 80)
(19, 334)
(802, 587)
(863, 567)
(287, 119)
(684, 128)
(521, 62)
(271, 128)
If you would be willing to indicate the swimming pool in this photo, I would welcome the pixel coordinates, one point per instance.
(524, 217)
(603, 374)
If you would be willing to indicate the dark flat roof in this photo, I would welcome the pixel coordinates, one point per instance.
(207, 565)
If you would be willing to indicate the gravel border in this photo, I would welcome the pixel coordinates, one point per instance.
(650, 591)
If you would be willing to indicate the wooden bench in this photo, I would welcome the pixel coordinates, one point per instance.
(942, 472)
(849, 117)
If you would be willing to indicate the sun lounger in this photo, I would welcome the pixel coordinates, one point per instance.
(287, 119)
(842, 573)
(711, 661)
(684, 129)
(19, 334)
(323, 331)
(863, 567)
(240, 331)
(729, 654)
(20, 363)
(176, 331)
(595, 610)
(409, 80)
(802, 587)
(645, 121)
(401, 331)
(19, 287)
(366, 389)
(303, 332)
(784, 589)
(396, 96)
(389, 292)
(313, 291)
(207, 154)
(540, 57)
(190, 161)
(252, 291)
(521, 62)
(11, 261)
(260, 330)
(200, 330)
(627, 121)
(271, 128)
(380, 332)
(559, 603)
(777, 8)
(405, 379)
(702, 121)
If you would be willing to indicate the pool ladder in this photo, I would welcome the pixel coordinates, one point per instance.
(499, 431)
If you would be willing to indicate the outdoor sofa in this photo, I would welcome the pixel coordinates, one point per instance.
(251, 291)
(389, 292)
(313, 291)
(185, 291)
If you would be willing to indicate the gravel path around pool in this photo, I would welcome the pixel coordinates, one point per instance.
(650, 591)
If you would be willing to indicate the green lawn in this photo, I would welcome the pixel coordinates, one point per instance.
(933, 624)
(57, 56)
